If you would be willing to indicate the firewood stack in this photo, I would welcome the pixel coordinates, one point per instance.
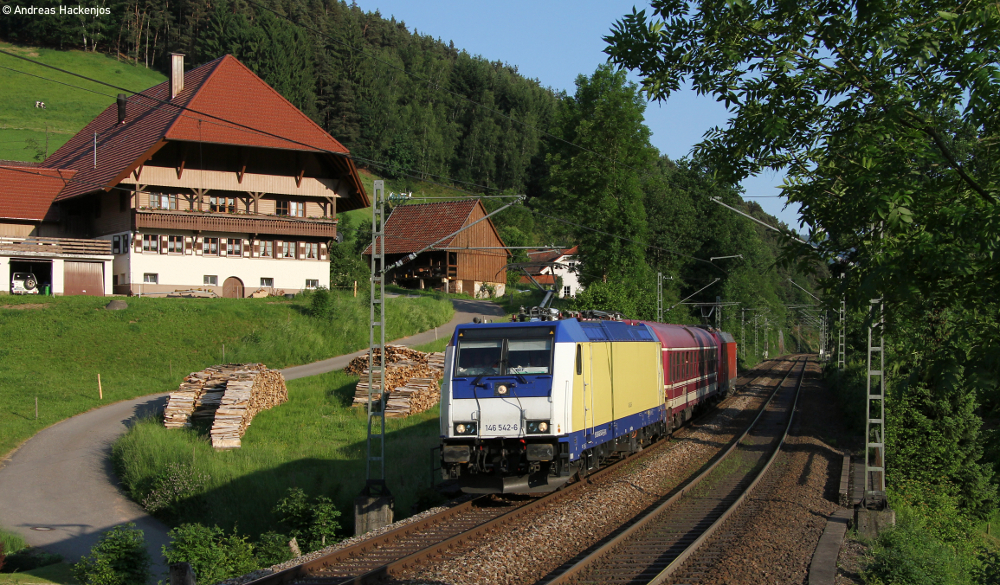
(230, 395)
(412, 377)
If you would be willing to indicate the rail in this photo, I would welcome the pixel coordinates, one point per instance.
(648, 521)
(434, 545)
(49, 246)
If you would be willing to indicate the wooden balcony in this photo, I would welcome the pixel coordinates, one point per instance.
(55, 246)
(235, 223)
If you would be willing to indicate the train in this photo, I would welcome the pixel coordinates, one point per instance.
(526, 406)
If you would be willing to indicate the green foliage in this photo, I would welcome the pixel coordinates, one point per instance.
(177, 483)
(313, 523)
(25, 558)
(118, 558)
(212, 554)
(272, 548)
(599, 184)
(883, 117)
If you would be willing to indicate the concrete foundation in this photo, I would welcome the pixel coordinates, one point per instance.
(373, 509)
(870, 523)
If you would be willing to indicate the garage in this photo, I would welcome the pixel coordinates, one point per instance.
(83, 278)
(42, 269)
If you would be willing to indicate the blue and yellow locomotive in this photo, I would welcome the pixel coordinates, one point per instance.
(525, 406)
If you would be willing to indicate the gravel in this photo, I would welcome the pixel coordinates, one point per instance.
(773, 537)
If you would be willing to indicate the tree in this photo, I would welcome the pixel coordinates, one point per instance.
(597, 179)
(885, 118)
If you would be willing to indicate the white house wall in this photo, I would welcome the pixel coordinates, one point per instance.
(187, 271)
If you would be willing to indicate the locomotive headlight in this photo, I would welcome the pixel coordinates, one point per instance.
(502, 390)
(537, 426)
(466, 428)
(459, 429)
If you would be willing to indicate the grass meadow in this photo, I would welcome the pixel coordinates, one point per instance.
(316, 441)
(54, 348)
(67, 109)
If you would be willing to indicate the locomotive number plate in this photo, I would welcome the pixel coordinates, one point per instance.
(501, 428)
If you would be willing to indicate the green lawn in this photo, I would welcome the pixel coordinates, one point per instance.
(67, 109)
(59, 574)
(56, 352)
(315, 441)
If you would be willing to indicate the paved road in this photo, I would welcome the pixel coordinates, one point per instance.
(61, 479)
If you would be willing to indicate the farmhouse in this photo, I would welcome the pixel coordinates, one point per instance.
(463, 263)
(210, 180)
(548, 266)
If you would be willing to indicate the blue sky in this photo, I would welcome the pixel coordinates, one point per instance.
(556, 40)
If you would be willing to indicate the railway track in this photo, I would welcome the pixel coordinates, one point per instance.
(656, 547)
(399, 550)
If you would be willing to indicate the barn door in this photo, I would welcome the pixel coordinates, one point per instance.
(232, 288)
(83, 278)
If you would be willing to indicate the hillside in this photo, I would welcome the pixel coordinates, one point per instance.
(67, 109)
(150, 346)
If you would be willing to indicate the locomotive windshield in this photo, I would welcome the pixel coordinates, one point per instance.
(522, 351)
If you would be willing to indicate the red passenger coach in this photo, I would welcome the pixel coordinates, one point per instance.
(699, 365)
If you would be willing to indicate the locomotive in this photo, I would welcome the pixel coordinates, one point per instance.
(525, 406)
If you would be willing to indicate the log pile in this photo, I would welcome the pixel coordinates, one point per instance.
(412, 378)
(230, 395)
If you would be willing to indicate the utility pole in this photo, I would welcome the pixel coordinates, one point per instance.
(659, 297)
(875, 413)
(743, 333)
(842, 337)
(756, 354)
(718, 313)
(373, 509)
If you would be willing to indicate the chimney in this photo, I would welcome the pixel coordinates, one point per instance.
(176, 74)
(122, 101)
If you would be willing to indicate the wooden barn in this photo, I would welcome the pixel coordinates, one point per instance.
(461, 264)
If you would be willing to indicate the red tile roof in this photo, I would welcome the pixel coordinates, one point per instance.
(412, 227)
(551, 255)
(27, 192)
(231, 106)
(542, 279)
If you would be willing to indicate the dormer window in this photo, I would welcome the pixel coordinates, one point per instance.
(292, 208)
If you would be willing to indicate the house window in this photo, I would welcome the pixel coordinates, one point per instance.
(149, 278)
(267, 250)
(210, 246)
(150, 243)
(566, 291)
(267, 282)
(116, 245)
(312, 250)
(175, 244)
(292, 208)
(310, 283)
(234, 247)
(114, 280)
(222, 204)
(571, 265)
(212, 279)
(287, 249)
(163, 201)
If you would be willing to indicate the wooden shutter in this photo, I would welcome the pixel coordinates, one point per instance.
(255, 249)
(322, 251)
(163, 244)
(279, 249)
(246, 248)
(300, 250)
(199, 246)
(138, 243)
(188, 244)
(223, 247)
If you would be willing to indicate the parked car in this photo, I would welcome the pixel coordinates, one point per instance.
(23, 283)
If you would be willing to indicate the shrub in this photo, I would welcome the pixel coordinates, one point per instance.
(176, 484)
(314, 523)
(27, 559)
(118, 558)
(212, 555)
(272, 548)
